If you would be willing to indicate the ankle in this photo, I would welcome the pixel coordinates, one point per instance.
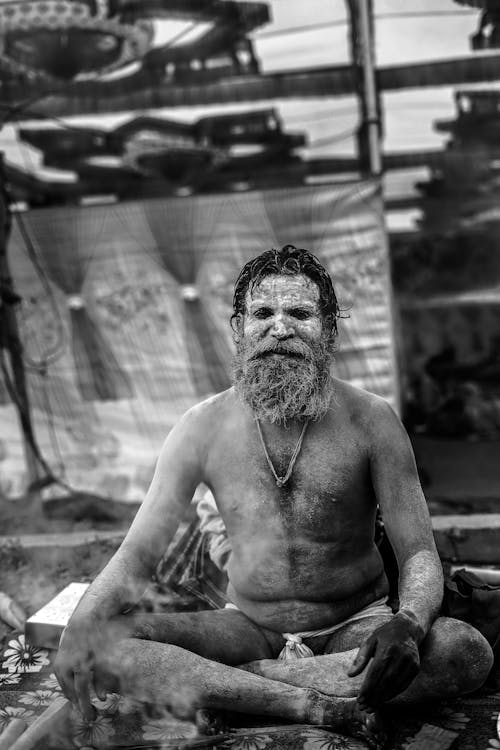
(331, 711)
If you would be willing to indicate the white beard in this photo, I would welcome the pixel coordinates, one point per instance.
(280, 387)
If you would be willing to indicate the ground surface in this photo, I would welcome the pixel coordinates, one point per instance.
(32, 573)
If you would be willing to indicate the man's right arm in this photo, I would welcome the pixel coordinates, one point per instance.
(123, 581)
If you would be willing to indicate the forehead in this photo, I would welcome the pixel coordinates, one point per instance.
(281, 289)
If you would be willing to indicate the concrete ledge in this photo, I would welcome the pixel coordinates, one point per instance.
(35, 567)
(65, 540)
(473, 538)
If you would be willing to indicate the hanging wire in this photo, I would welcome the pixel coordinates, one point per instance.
(342, 136)
(50, 477)
(40, 366)
(320, 115)
(13, 110)
(16, 109)
(54, 442)
(54, 353)
(345, 22)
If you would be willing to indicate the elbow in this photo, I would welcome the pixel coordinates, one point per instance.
(134, 563)
(424, 560)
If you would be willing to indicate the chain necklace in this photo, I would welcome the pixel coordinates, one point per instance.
(281, 481)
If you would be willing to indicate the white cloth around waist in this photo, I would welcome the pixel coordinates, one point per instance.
(294, 647)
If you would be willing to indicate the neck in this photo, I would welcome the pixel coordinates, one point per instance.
(292, 425)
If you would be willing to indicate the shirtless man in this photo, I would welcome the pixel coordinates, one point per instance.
(298, 462)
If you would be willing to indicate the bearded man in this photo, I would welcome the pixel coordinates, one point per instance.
(298, 462)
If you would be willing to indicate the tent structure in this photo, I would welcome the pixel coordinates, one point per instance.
(162, 169)
(126, 307)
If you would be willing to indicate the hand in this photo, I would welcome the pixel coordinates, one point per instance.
(393, 648)
(74, 664)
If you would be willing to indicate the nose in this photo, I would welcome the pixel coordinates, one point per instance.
(281, 329)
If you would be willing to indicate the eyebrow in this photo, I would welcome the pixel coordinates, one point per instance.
(305, 304)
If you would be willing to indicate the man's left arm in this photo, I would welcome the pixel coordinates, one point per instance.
(393, 647)
(406, 520)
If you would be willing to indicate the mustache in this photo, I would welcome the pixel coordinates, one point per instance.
(296, 349)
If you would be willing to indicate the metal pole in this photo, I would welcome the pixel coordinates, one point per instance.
(363, 53)
(9, 337)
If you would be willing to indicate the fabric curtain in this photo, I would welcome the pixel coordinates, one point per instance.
(183, 231)
(66, 245)
(126, 309)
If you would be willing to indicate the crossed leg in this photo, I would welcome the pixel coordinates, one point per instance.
(188, 661)
(455, 659)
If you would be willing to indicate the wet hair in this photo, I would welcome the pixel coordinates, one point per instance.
(289, 261)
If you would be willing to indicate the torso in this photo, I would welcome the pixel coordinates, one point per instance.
(303, 555)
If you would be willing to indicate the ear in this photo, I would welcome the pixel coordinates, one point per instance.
(237, 326)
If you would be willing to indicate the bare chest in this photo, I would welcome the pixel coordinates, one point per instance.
(327, 491)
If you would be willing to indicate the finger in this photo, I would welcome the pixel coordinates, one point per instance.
(82, 683)
(101, 692)
(100, 686)
(66, 680)
(394, 683)
(365, 652)
(387, 690)
(375, 675)
(385, 680)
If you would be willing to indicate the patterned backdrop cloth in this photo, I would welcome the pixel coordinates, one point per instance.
(28, 686)
(125, 314)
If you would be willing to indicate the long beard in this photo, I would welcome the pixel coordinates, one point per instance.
(293, 384)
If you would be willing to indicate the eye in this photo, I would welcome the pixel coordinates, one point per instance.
(262, 313)
(300, 313)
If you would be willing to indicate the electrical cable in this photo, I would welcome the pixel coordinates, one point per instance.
(50, 477)
(61, 468)
(345, 22)
(342, 136)
(54, 353)
(320, 115)
(424, 14)
(12, 110)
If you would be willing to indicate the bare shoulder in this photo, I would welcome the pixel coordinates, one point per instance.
(361, 404)
(202, 421)
(370, 413)
(187, 444)
(213, 408)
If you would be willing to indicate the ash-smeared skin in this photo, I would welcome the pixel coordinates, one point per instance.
(283, 352)
(304, 556)
(420, 581)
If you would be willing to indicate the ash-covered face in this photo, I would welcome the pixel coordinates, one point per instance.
(282, 363)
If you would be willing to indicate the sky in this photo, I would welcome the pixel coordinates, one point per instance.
(315, 33)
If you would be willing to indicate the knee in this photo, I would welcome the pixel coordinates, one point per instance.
(463, 654)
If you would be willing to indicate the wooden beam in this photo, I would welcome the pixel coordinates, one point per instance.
(144, 91)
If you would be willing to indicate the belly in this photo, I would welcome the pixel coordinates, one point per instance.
(307, 590)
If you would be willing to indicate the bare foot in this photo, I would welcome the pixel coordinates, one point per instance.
(370, 727)
(211, 722)
(345, 716)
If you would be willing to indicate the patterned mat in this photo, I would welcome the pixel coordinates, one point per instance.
(28, 686)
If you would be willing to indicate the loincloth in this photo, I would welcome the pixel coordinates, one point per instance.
(294, 648)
